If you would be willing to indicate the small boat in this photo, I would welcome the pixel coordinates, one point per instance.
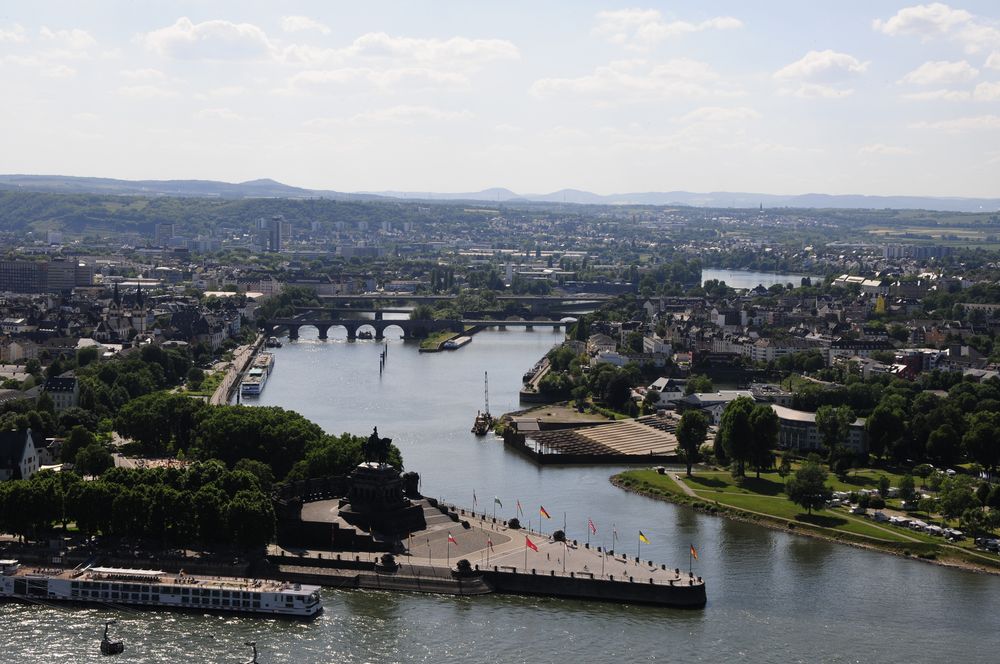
(484, 421)
(109, 647)
(365, 334)
(272, 342)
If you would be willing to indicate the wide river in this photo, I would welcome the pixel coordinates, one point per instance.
(752, 279)
(772, 597)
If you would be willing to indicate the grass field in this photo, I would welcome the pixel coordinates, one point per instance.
(763, 499)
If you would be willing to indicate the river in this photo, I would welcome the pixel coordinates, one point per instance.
(772, 597)
(752, 279)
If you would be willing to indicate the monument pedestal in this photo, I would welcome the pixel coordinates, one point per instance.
(376, 501)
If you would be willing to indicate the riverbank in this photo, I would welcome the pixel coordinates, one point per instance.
(852, 531)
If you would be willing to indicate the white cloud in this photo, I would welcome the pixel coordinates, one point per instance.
(941, 72)
(643, 28)
(146, 92)
(817, 91)
(973, 123)
(820, 75)
(993, 62)
(396, 115)
(719, 114)
(314, 79)
(58, 71)
(822, 67)
(883, 149)
(633, 80)
(987, 91)
(303, 23)
(143, 74)
(939, 95)
(219, 114)
(13, 35)
(73, 39)
(212, 40)
(938, 20)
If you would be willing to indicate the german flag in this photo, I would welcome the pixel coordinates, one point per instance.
(694, 552)
(541, 510)
(643, 538)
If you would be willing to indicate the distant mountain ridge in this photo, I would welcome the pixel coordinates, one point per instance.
(267, 188)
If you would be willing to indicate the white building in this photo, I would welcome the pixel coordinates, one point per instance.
(18, 456)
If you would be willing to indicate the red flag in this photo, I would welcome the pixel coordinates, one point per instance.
(593, 528)
(541, 510)
(451, 539)
(694, 553)
(528, 543)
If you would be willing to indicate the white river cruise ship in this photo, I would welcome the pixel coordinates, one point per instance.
(157, 589)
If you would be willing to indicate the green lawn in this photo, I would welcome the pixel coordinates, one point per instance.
(433, 341)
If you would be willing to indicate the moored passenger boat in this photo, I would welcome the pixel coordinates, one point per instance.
(158, 589)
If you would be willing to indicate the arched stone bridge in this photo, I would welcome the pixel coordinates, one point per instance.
(410, 328)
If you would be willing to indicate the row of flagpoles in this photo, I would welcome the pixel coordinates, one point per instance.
(591, 529)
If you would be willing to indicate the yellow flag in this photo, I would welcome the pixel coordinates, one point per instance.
(642, 538)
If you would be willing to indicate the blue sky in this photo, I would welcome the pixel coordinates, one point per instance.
(871, 97)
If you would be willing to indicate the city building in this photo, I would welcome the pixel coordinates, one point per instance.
(18, 456)
(799, 433)
(64, 390)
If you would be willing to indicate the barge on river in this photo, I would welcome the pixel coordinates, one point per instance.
(158, 589)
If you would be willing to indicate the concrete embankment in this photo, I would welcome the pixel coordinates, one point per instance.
(242, 358)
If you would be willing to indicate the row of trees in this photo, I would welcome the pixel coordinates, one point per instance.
(748, 434)
(173, 424)
(202, 504)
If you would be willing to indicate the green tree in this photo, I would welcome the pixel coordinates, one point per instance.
(78, 439)
(691, 433)
(808, 487)
(956, 496)
(736, 433)
(765, 426)
(834, 424)
(884, 426)
(982, 439)
(907, 487)
(93, 460)
(785, 467)
(698, 383)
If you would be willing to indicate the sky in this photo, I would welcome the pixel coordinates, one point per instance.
(865, 97)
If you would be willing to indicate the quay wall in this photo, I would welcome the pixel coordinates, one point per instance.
(581, 587)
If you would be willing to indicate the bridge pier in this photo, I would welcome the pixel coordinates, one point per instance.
(352, 333)
(293, 332)
(378, 314)
(323, 330)
(529, 327)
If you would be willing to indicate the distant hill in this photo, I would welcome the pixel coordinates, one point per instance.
(722, 199)
(266, 188)
(185, 188)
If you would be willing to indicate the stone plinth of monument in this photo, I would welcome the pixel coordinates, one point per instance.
(376, 498)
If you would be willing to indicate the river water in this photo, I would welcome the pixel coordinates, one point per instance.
(752, 279)
(772, 597)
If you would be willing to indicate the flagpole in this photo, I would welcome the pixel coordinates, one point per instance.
(588, 531)
(690, 561)
(604, 555)
(526, 554)
(638, 547)
(449, 550)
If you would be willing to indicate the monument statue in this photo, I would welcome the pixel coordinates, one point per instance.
(376, 449)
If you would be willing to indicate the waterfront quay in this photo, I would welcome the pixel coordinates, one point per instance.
(500, 560)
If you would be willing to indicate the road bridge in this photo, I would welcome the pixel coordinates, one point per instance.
(409, 328)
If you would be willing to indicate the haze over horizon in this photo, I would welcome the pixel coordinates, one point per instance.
(887, 99)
